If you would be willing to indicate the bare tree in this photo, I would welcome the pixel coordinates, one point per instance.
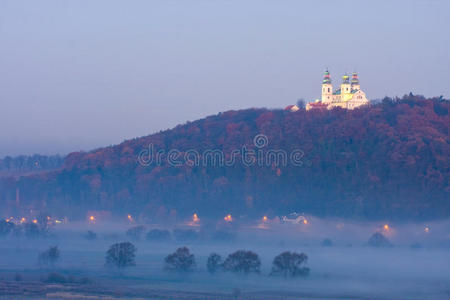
(289, 264)
(301, 103)
(213, 263)
(121, 255)
(49, 257)
(242, 262)
(181, 260)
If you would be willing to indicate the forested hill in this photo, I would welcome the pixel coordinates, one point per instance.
(390, 160)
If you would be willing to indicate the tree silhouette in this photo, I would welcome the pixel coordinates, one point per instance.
(289, 264)
(121, 255)
(213, 262)
(379, 240)
(242, 261)
(49, 257)
(181, 260)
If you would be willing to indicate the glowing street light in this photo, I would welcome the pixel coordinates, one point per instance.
(130, 218)
(427, 229)
(92, 219)
(228, 218)
(265, 219)
(195, 218)
(386, 227)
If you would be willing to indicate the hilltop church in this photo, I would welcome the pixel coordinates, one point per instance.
(348, 96)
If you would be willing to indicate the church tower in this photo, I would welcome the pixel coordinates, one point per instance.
(327, 88)
(346, 89)
(355, 82)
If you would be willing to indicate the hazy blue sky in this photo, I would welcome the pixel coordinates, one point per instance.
(75, 75)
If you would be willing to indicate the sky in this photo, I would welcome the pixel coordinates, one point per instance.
(77, 75)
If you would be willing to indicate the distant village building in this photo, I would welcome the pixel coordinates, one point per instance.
(292, 108)
(294, 218)
(348, 96)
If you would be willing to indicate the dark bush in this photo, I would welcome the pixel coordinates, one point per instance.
(158, 235)
(289, 264)
(379, 240)
(185, 235)
(49, 257)
(242, 262)
(213, 263)
(136, 232)
(181, 260)
(121, 255)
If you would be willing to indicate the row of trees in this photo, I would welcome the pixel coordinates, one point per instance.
(136, 233)
(286, 264)
(29, 230)
(36, 162)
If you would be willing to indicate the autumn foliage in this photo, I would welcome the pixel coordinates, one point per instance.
(388, 160)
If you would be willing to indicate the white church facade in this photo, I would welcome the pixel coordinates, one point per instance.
(348, 96)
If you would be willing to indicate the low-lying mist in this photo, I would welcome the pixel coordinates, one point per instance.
(410, 261)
